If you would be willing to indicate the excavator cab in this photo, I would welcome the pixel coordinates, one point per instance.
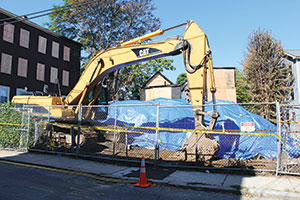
(99, 110)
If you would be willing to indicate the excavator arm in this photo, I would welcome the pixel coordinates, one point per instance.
(112, 59)
(197, 57)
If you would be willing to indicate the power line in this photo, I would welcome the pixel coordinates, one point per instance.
(44, 12)
(38, 12)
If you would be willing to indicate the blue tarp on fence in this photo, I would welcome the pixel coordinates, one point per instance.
(173, 114)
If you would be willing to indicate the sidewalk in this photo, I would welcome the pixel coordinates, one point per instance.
(281, 187)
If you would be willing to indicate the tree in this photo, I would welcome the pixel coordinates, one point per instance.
(242, 89)
(103, 24)
(267, 75)
(181, 79)
(135, 77)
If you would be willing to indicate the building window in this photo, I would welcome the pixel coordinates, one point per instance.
(55, 49)
(40, 72)
(21, 91)
(65, 78)
(24, 38)
(4, 94)
(66, 53)
(8, 32)
(53, 75)
(6, 61)
(42, 44)
(22, 67)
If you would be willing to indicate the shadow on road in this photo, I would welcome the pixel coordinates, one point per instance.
(208, 180)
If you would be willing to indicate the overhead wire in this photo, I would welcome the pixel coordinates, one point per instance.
(43, 12)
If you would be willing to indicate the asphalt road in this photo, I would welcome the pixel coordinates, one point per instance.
(21, 182)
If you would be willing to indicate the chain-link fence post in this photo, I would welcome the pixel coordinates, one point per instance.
(196, 148)
(278, 122)
(73, 136)
(21, 130)
(48, 128)
(36, 132)
(78, 130)
(126, 144)
(115, 128)
(157, 134)
(28, 127)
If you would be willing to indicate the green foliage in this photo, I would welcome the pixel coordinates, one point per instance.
(9, 135)
(135, 76)
(181, 79)
(14, 130)
(242, 88)
(103, 24)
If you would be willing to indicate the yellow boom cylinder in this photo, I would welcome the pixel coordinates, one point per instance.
(144, 37)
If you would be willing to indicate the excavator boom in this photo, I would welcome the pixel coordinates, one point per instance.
(198, 63)
(197, 57)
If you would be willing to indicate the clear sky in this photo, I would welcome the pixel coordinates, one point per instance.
(227, 23)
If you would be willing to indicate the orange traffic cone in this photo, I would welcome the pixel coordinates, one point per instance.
(143, 180)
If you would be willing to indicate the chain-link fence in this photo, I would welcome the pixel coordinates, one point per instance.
(14, 128)
(246, 136)
(290, 146)
(240, 139)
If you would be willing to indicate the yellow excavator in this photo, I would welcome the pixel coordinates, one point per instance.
(197, 59)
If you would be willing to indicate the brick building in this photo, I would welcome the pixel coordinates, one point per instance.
(33, 58)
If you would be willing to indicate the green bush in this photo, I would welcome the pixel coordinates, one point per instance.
(11, 135)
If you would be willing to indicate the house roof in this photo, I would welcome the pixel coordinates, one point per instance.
(294, 54)
(224, 68)
(25, 21)
(171, 83)
(155, 75)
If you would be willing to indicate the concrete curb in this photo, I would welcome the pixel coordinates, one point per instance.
(131, 179)
(271, 194)
(171, 181)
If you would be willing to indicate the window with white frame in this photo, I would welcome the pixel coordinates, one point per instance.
(55, 49)
(4, 94)
(24, 38)
(6, 62)
(65, 78)
(53, 75)
(42, 44)
(40, 72)
(66, 53)
(8, 32)
(22, 67)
